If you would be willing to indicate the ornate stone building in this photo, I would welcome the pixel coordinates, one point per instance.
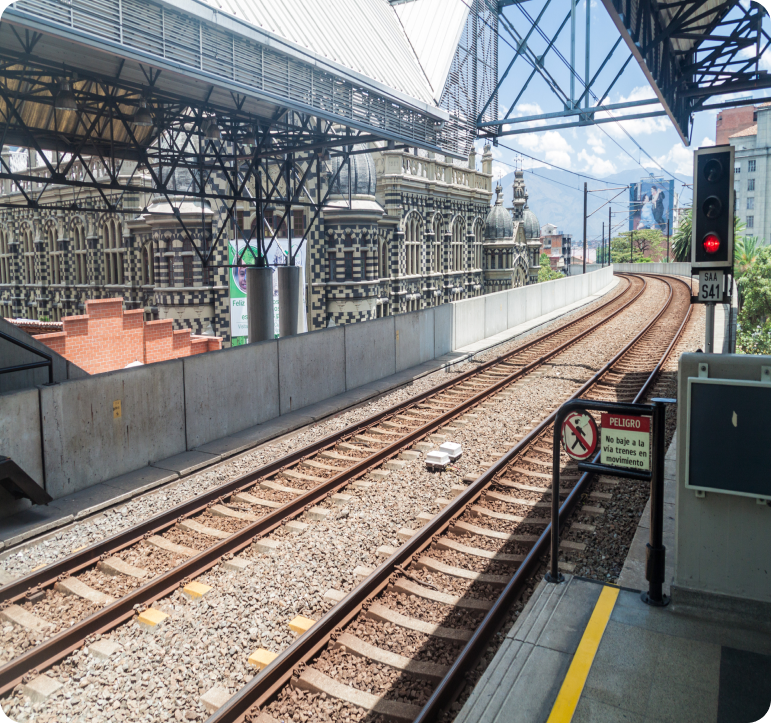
(401, 231)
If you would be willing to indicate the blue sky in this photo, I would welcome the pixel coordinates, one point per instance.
(598, 150)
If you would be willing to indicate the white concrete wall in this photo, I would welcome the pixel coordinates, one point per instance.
(674, 269)
(484, 316)
(175, 406)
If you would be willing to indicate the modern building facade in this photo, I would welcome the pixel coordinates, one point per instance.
(557, 246)
(751, 175)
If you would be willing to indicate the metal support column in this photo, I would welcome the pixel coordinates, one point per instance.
(655, 558)
(259, 303)
(587, 79)
(584, 260)
(709, 336)
(572, 55)
(288, 299)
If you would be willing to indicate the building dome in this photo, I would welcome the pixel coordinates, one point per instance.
(498, 223)
(362, 169)
(532, 227)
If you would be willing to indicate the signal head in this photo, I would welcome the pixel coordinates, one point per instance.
(713, 170)
(712, 207)
(711, 243)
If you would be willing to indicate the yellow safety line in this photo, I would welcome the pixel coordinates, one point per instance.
(573, 685)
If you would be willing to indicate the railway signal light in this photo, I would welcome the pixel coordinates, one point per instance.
(712, 240)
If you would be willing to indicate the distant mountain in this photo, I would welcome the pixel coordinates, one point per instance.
(558, 197)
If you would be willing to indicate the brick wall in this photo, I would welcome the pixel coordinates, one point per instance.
(106, 338)
(733, 120)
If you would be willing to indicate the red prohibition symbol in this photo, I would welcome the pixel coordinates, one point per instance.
(579, 435)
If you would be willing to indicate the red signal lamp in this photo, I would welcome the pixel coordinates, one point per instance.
(711, 243)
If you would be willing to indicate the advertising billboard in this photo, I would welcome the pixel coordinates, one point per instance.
(650, 204)
(239, 321)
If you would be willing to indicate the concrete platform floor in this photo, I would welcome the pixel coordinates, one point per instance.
(685, 663)
(652, 665)
(36, 522)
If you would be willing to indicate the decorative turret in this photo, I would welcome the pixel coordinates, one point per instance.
(498, 224)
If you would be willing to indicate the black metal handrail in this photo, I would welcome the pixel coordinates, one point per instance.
(49, 361)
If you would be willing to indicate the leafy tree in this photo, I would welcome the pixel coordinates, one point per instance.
(681, 240)
(641, 245)
(545, 273)
(754, 322)
(745, 252)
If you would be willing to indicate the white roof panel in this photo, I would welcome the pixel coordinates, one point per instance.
(363, 35)
(434, 29)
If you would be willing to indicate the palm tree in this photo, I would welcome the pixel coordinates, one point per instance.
(745, 252)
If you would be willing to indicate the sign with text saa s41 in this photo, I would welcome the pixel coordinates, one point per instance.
(626, 441)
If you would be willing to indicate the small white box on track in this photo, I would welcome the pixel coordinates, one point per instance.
(437, 460)
(451, 449)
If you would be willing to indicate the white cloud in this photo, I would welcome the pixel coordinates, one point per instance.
(641, 126)
(528, 109)
(595, 140)
(678, 158)
(596, 165)
(551, 144)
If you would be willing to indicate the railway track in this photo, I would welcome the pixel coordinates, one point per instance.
(226, 518)
(398, 646)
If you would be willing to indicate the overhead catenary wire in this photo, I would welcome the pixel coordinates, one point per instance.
(618, 121)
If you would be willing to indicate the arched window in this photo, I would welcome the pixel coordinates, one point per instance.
(148, 272)
(112, 236)
(457, 245)
(54, 256)
(79, 244)
(29, 255)
(478, 249)
(412, 245)
(383, 270)
(437, 255)
(5, 259)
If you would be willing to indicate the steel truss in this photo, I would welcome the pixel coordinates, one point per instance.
(99, 147)
(689, 50)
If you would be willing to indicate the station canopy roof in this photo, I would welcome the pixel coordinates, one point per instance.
(692, 51)
(373, 65)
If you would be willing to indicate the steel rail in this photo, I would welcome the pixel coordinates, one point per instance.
(63, 643)
(90, 555)
(491, 623)
(267, 683)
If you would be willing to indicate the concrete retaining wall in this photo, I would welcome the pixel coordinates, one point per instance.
(485, 316)
(674, 269)
(174, 406)
(229, 390)
(85, 441)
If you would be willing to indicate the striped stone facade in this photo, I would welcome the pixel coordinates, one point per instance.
(415, 239)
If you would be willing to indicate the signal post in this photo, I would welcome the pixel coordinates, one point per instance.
(712, 231)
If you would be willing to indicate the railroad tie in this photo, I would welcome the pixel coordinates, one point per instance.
(163, 544)
(316, 682)
(116, 566)
(73, 586)
(383, 614)
(25, 619)
(412, 588)
(420, 669)
(194, 526)
(223, 511)
(428, 563)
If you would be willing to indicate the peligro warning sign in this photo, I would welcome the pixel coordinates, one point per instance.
(626, 441)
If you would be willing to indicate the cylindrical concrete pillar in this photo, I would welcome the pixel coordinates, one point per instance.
(288, 299)
(259, 303)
